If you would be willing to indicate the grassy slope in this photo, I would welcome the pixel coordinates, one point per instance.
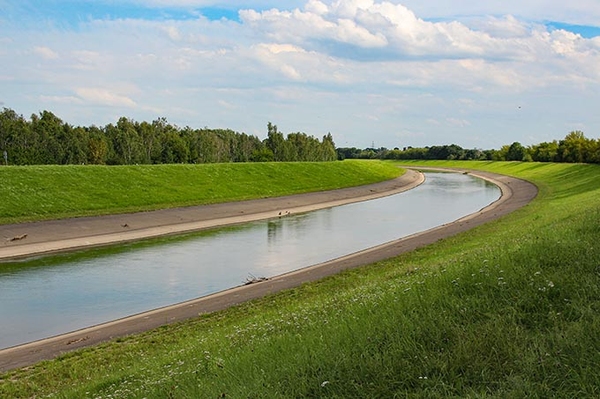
(47, 192)
(510, 309)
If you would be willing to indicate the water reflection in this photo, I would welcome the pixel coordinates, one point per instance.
(50, 296)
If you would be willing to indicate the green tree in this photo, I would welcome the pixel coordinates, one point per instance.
(16, 138)
(544, 152)
(245, 148)
(49, 140)
(149, 138)
(174, 148)
(275, 142)
(516, 152)
(263, 154)
(328, 148)
(574, 148)
(98, 146)
(126, 146)
(75, 145)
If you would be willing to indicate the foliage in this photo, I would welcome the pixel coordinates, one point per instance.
(509, 309)
(574, 148)
(46, 139)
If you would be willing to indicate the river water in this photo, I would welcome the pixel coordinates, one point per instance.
(47, 296)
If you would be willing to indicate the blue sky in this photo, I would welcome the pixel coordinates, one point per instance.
(585, 31)
(393, 73)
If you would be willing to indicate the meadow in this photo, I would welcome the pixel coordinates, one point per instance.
(508, 309)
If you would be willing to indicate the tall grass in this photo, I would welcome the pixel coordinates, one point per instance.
(49, 192)
(509, 309)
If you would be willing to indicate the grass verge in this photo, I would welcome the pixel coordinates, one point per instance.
(50, 192)
(509, 309)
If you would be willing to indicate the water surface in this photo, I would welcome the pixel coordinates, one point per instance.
(54, 295)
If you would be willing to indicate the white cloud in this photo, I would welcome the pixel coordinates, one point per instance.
(316, 7)
(46, 53)
(575, 11)
(457, 122)
(104, 97)
(70, 100)
(173, 33)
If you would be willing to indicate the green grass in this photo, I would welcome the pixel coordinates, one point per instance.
(509, 309)
(50, 192)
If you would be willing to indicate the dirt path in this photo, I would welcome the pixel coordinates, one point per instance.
(75, 233)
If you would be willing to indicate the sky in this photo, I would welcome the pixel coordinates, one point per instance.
(382, 73)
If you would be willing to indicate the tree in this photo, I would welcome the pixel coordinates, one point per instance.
(574, 148)
(48, 135)
(516, 152)
(275, 142)
(263, 154)
(544, 152)
(126, 144)
(328, 148)
(75, 146)
(16, 138)
(149, 141)
(174, 148)
(98, 146)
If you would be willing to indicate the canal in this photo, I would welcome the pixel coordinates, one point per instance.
(52, 295)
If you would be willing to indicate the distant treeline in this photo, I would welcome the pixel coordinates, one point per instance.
(574, 148)
(46, 139)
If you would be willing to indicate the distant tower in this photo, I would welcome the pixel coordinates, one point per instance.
(372, 144)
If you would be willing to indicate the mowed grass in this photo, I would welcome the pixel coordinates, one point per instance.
(49, 192)
(509, 309)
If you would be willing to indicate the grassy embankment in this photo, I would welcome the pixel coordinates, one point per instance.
(51, 192)
(509, 309)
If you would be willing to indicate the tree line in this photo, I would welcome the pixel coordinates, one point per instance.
(574, 148)
(46, 139)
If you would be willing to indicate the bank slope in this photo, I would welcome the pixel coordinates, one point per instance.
(50, 192)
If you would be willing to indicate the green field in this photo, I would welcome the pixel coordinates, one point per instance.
(50, 192)
(509, 309)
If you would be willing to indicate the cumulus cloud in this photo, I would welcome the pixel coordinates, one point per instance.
(392, 31)
(501, 51)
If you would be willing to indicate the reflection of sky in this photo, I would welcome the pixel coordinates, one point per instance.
(40, 301)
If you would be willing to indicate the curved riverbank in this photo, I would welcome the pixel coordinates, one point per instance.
(515, 194)
(38, 238)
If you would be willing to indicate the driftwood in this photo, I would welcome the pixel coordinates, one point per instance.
(18, 238)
